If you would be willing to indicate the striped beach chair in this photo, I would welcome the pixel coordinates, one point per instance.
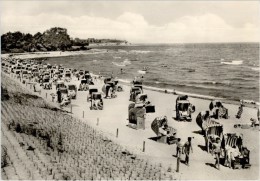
(231, 140)
(212, 130)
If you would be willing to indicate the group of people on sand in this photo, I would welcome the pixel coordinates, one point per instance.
(185, 149)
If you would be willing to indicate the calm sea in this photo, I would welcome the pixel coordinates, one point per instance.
(222, 70)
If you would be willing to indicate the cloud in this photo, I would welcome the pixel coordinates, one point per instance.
(135, 28)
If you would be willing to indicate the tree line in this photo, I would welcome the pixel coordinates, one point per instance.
(54, 39)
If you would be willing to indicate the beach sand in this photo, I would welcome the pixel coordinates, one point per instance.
(115, 114)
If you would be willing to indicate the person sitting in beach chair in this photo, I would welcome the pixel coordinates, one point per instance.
(254, 122)
(113, 92)
(236, 155)
(184, 109)
(213, 131)
(96, 101)
(91, 91)
(165, 133)
(134, 92)
(109, 89)
(218, 110)
(141, 98)
(83, 86)
(65, 101)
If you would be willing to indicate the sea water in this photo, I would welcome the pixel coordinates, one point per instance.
(223, 70)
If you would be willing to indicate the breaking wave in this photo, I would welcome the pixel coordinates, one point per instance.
(234, 62)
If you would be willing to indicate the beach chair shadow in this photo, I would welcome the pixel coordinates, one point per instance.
(210, 164)
(182, 161)
(153, 138)
(202, 147)
(174, 118)
(198, 132)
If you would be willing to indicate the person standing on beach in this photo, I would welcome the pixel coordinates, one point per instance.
(178, 147)
(217, 150)
(187, 148)
(258, 114)
(59, 96)
(240, 110)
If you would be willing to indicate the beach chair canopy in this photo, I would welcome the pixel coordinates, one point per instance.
(84, 81)
(60, 82)
(46, 80)
(72, 87)
(182, 97)
(138, 85)
(183, 105)
(81, 72)
(87, 76)
(137, 82)
(233, 139)
(134, 89)
(143, 96)
(92, 90)
(64, 90)
(215, 129)
(108, 79)
(68, 75)
(96, 95)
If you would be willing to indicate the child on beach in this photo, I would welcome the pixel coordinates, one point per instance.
(179, 146)
(187, 148)
(217, 150)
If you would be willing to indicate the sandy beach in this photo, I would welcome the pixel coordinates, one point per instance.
(115, 113)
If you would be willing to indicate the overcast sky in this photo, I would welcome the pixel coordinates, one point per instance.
(138, 21)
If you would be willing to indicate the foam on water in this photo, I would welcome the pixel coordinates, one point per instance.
(256, 68)
(234, 62)
(214, 75)
(119, 64)
(122, 64)
(141, 72)
(140, 51)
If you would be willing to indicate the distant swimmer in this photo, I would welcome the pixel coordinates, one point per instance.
(145, 68)
(122, 71)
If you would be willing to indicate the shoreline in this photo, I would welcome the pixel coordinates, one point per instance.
(114, 116)
(38, 55)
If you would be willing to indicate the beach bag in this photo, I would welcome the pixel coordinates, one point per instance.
(150, 109)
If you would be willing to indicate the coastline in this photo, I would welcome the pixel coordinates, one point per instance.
(38, 55)
(132, 139)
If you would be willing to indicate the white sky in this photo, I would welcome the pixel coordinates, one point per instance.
(138, 21)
